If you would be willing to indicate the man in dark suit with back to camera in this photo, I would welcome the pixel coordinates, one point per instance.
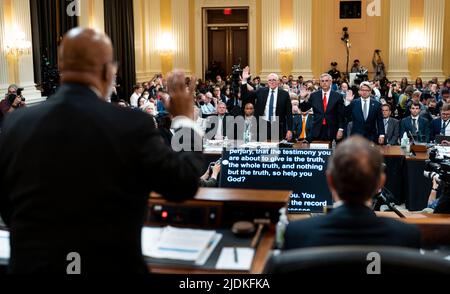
(354, 175)
(365, 115)
(76, 171)
(273, 107)
(328, 108)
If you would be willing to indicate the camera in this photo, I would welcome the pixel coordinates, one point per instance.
(19, 93)
(361, 76)
(437, 167)
(236, 72)
(345, 34)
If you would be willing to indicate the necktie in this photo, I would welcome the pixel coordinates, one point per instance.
(324, 108)
(302, 135)
(444, 126)
(272, 99)
(415, 129)
(386, 124)
(365, 109)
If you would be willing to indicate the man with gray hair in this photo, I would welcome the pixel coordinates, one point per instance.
(328, 108)
(272, 106)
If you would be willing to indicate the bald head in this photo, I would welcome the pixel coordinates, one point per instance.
(86, 57)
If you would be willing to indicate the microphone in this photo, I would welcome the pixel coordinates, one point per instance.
(412, 138)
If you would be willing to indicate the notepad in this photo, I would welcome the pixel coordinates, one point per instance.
(227, 260)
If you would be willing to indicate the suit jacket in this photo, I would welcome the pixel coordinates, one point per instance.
(435, 128)
(259, 99)
(334, 113)
(350, 225)
(424, 129)
(75, 175)
(298, 125)
(228, 129)
(373, 126)
(393, 132)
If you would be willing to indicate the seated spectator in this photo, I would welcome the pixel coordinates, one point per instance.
(415, 125)
(354, 175)
(441, 125)
(391, 126)
(138, 89)
(207, 108)
(218, 126)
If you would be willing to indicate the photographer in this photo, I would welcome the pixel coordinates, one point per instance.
(438, 169)
(378, 65)
(209, 178)
(12, 102)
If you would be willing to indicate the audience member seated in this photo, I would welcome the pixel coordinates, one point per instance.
(441, 126)
(220, 126)
(354, 175)
(391, 126)
(415, 125)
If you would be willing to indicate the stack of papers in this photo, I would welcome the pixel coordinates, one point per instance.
(4, 245)
(181, 244)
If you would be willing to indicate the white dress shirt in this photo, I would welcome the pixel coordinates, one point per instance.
(274, 106)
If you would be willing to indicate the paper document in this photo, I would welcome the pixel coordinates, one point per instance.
(4, 245)
(235, 258)
(181, 244)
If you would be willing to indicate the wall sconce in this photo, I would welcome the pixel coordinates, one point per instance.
(166, 45)
(17, 45)
(416, 42)
(286, 42)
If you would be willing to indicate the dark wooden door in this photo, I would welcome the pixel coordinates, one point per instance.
(228, 46)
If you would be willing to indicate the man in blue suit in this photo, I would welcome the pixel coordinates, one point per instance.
(415, 125)
(302, 127)
(441, 126)
(365, 113)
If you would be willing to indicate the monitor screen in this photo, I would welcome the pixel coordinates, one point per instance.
(299, 170)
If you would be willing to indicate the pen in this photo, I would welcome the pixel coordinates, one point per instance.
(235, 255)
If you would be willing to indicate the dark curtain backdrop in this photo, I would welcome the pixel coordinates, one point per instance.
(50, 22)
(119, 25)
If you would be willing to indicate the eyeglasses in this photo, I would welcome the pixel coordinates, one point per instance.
(365, 90)
(271, 80)
(325, 81)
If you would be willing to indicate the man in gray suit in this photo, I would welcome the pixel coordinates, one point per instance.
(391, 126)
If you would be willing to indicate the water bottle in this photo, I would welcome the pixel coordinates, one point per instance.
(404, 141)
(225, 142)
(333, 144)
(281, 228)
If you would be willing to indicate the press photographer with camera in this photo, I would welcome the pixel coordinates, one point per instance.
(378, 66)
(437, 168)
(13, 100)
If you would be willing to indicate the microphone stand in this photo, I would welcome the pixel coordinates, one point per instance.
(380, 197)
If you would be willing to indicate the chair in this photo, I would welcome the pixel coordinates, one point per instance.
(354, 260)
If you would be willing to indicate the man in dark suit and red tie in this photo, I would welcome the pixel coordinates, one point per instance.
(273, 106)
(328, 108)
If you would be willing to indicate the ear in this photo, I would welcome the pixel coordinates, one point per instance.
(382, 181)
(330, 183)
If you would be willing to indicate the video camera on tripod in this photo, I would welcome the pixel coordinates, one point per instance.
(437, 167)
(236, 73)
